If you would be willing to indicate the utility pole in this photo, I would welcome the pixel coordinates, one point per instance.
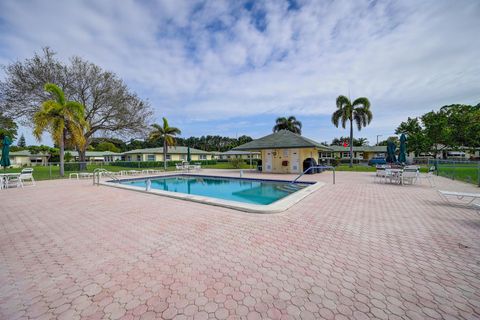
(378, 135)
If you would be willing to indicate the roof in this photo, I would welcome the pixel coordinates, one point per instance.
(360, 149)
(93, 153)
(282, 139)
(236, 152)
(25, 153)
(170, 150)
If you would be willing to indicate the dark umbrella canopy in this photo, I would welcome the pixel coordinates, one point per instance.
(402, 158)
(5, 161)
(391, 152)
(189, 157)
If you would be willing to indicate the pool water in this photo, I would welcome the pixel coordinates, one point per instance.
(252, 191)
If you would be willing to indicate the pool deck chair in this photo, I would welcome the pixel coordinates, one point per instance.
(470, 197)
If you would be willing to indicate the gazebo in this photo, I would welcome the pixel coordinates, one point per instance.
(284, 151)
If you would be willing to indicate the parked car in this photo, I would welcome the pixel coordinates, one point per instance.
(376, 161)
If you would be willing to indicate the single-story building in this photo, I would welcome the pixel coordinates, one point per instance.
(25, 158)
(447, 153)
(177, 153)
(96, 156)
(284, 151)
(237, 154)
(362, 153)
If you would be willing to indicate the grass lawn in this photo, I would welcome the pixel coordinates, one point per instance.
(464, 172)
(53, 172)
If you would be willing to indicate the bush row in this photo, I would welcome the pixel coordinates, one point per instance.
(155, 164)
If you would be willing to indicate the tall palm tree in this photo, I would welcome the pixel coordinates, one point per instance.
(291, 124)
(62, 118)
(358, 111)
(166, 133)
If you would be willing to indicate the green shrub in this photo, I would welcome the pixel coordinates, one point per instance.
(236, 163)
(74, 166)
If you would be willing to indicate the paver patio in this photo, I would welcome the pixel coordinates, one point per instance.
(353, 250)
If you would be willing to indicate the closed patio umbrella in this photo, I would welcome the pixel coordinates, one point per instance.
(5, 161)
(189, 158)
(402, 158)
(391, 152)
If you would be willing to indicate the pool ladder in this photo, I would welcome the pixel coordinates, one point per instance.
(314, 167)
(98, 172)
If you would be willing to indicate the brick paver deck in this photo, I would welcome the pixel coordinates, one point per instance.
(354, 250)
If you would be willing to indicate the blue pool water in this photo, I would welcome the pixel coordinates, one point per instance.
(234, 189)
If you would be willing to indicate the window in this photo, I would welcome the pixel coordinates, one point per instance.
(169, 157)
(325, 155)
(183, 157)
(129, 158)
(151, 157)
(139, 157)
(203, 157)
(285, 152)
(345, 154)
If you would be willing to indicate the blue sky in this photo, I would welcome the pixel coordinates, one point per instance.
(232, 67)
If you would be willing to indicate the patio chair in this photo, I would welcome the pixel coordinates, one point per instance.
(178, 166)
(27, 174)
(430, 177)
(380, 174)
(392, 176)
(13, 180)
(409, 176)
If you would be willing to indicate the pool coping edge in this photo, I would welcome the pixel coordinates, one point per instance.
(276, 207)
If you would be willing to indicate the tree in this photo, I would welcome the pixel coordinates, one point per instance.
(393, 139)
(7, 127)
(21, 142)
(107, 146)
(291, 124)
(166, 133)
(118, 143)
(417, 141)
(62, 118)
(356, 142)
(358, 111)
(110, 106)
(436, 131)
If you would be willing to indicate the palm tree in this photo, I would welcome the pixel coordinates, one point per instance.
(291, 124)
(166, 133)
(62, 118)
(358, 111)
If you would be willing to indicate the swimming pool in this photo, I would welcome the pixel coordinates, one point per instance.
(253, 195)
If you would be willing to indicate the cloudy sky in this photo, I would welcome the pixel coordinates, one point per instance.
(232, 67)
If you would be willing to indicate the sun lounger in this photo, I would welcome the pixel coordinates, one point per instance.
(470, 197)
(27, 174)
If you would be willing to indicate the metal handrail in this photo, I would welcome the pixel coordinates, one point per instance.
(315, 167)
(97, 173)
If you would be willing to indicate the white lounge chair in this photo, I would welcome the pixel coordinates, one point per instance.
(27, 174)
(470, 197)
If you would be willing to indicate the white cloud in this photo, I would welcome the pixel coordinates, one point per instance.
(210, 61)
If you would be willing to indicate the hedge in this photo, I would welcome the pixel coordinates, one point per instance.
(155, 164)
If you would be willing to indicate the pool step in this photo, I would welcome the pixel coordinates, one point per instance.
(289, 188)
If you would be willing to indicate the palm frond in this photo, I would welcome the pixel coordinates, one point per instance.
(56, 92)
(362, 101)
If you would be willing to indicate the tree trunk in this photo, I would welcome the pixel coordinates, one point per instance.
(82, 157)
(351, 143)
(165, 154)
(62, 154)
